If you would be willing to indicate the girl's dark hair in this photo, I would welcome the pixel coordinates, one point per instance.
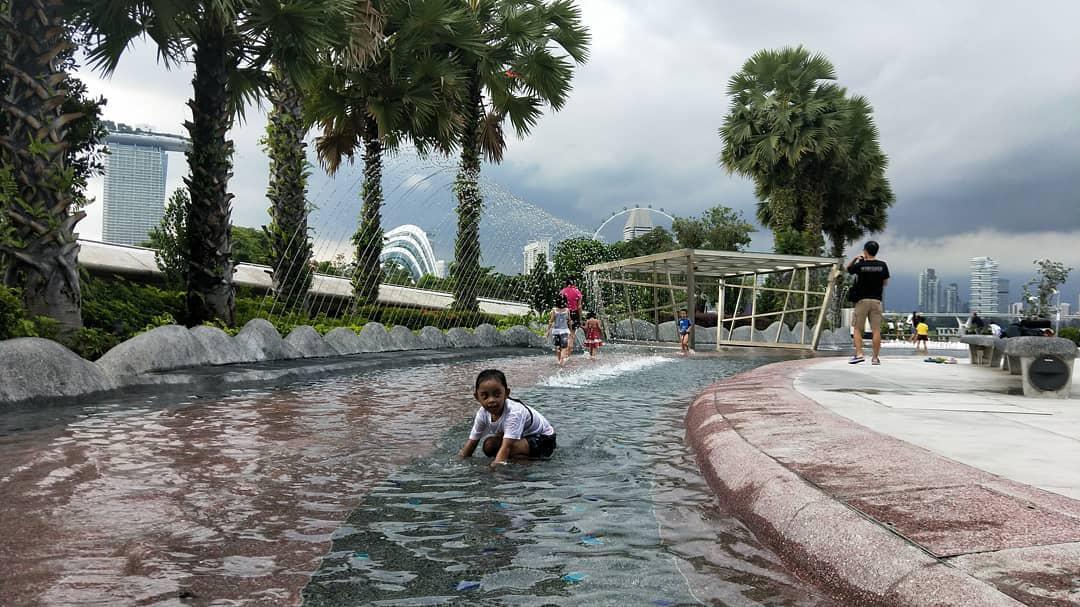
(491, 374)
(560, 301)
(590, 315)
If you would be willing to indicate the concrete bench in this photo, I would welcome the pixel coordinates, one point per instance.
(984, 349)
(1045, 363)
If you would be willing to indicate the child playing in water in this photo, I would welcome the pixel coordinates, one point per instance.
(592, 335)
(684, 325)
(512, 428)
(922, 336)
(559, 330)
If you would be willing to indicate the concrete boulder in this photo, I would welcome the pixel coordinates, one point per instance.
(260, 341)
(159, 349)
(404, 339)
(460, 338)
(538, 341)
(668, 332)
(375, 338)
(515, 336)
(433, 339)
(308, 341)
(772, 333)
(220, 346)
(741, 333)
(487, 336)
(344, 341)
(40, 369)
(640, 330)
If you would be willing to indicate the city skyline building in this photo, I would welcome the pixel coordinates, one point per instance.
(984, 286)
(135, 172)
(951, 303)
(929, 295)
(1016, 309)
(638, 223)
(1003, 295)
(533, 250)
(1065, 308)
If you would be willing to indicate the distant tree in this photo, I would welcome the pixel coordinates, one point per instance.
(251, 245)
(573, 254)
(169, 241)
(519, 67)
(719, 229)
(540, 286)
(657, 240)
(393, 274)
(1049, 275)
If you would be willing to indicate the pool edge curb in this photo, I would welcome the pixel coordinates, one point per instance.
(820, 538)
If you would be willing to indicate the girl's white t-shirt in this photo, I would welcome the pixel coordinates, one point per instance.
(517, 420)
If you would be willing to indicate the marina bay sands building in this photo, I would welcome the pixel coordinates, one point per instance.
(135, 173)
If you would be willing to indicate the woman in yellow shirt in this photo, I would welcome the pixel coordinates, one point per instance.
(922, 336)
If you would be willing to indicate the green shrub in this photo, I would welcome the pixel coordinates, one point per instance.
(92, 343)
(124, 309)
(12, 314)
(1072, 333)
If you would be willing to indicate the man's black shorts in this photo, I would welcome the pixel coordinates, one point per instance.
(541, 446)
(575, 319)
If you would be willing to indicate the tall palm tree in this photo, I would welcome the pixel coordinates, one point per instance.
(231, 44)
(357, 37)
(409, 93)
(784, 122)
(520, 70)
(48, 130)
(858, 194)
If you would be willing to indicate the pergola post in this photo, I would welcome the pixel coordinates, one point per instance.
(655, 303)
(691, 297)
(834, 273)
(720, 315)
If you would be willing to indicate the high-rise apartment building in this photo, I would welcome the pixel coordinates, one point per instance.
(929, 291)
(135, 172)
(984, 286)
(534, 250)
(638, 223)
(1065, 308)
(1003, 295)
(951, 303)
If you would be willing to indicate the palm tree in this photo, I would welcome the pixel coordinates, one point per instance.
(858, 194)
(49, 130)
(516, 74)
(231, 44)
(783, 124)
(357, 35)
(408, 94)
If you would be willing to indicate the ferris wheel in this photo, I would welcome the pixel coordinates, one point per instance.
(627, 210)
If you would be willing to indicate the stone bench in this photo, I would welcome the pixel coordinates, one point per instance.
(984, 349)
(1045, 364)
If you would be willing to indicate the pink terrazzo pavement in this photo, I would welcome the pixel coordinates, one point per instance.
(875, 520)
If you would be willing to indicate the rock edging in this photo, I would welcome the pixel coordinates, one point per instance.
(33, 369)
(821, 538)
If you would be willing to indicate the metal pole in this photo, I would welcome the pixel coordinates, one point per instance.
(834, 273)
(691, 298)
(655, 303)
(720, 315)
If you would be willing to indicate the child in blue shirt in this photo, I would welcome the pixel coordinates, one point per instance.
(684, 325)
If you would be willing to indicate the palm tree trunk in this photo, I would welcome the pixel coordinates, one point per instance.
(290, 247)
(369, 235)
(470, 204)
(38, 247)
(210, 291)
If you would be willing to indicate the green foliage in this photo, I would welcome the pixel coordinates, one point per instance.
(719, 229)
(91, 343)
(12, 313)
(657, 240)
(169, 240)
(1048, 277)
(540, 286)
(573, 254)
(1072, 333)
(250, 245)
(124, 309)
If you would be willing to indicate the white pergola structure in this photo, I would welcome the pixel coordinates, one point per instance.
(642, 288)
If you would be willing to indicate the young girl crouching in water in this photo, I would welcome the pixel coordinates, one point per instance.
(512, 428)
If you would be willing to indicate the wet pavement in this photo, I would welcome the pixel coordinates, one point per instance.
(239, 499)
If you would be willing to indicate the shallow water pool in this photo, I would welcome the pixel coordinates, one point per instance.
(344, 491)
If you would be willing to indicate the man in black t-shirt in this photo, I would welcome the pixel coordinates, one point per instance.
(871, 276)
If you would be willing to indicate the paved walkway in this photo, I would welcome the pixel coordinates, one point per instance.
(969, 414)
(909, 484)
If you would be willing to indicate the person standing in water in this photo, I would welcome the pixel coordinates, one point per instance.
(684, 326)
(573, 303)
(511, 428)
(593, 335)
(559, 330)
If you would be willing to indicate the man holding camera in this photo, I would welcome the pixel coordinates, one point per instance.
(871, 276)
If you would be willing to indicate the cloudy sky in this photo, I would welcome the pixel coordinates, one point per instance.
(977, 103)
